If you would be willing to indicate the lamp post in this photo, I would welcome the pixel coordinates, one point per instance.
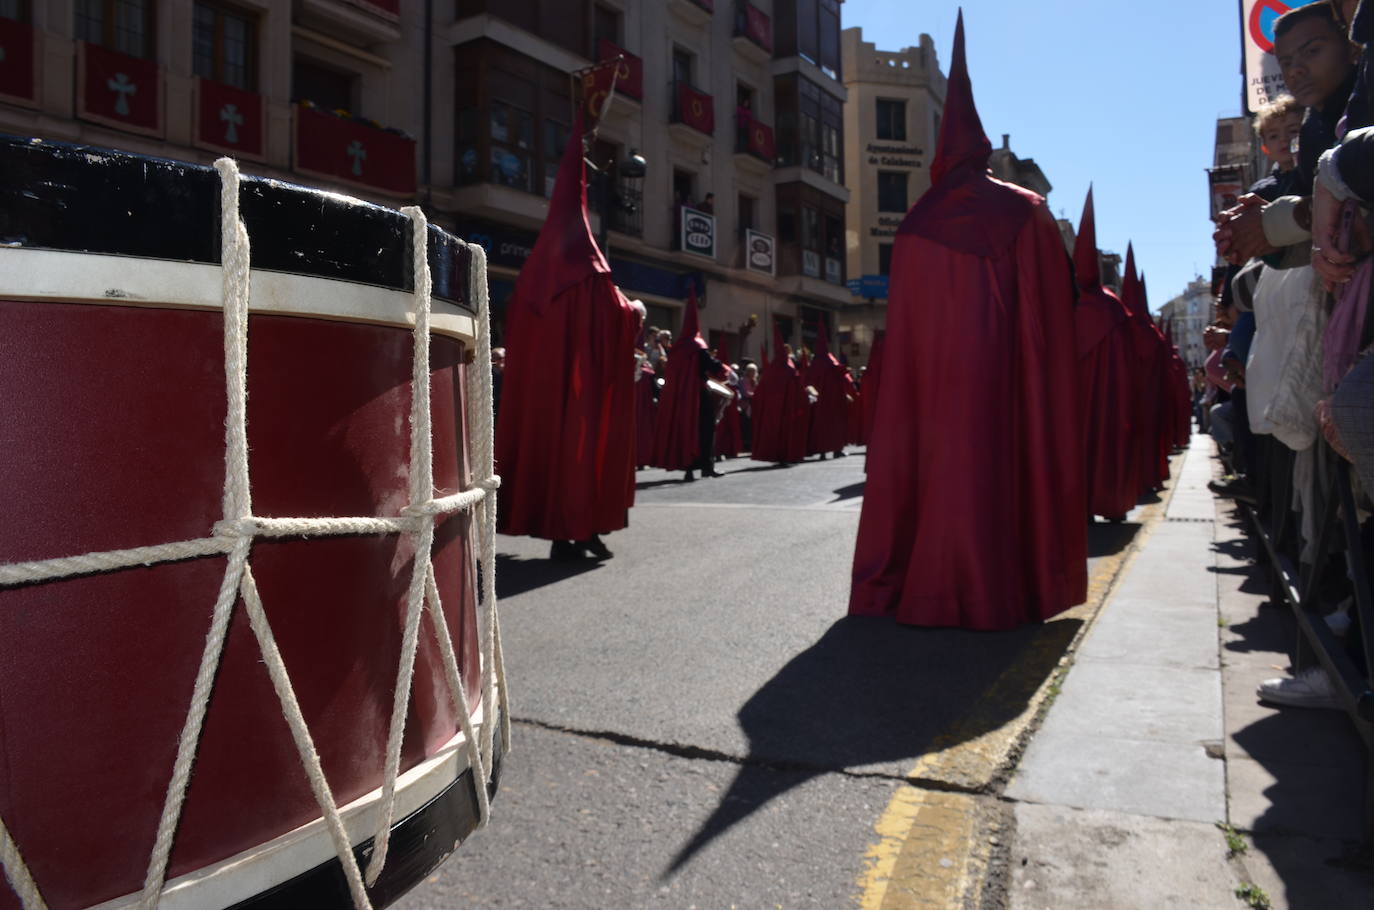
(634, 167)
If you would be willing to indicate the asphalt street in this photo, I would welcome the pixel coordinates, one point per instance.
(696, 721)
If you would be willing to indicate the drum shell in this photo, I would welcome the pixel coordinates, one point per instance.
(114, 437)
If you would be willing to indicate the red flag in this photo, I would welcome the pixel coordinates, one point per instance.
(19, 63)
(118, 90)
(598, 86)
(229, 119)
(696, 109)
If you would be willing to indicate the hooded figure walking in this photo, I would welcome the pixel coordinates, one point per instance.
(973, 515)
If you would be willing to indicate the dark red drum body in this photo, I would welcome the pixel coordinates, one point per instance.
(112, 384)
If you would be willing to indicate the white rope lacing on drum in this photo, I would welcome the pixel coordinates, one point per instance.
(234, 536)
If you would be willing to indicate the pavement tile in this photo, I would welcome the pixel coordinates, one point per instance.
(1073, 859)
(1130, 702)
(1294, 798)
(1167, 780)
(1157, 636)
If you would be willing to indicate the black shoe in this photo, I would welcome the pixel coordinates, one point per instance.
(1237, 488)
(565, 550)
(594, 547)
(688, 477)
(839, 454)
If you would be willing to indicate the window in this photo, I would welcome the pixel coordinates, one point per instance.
(884, 259)
(512, 141)
(747, 213)
(682, 66)
(327, 88)
(684, 188)
(810, 126)
(17, 10)
(892, 191)
(891, 120)
(744, 97)
(555, 141)
(122, 25)
(834, 236)
(223, 46)
(605, 25)
(829, 28)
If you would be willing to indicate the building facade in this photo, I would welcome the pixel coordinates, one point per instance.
(1190, 313)
(892, 120)
(733, 107)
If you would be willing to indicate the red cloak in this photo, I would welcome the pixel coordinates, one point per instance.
(974, 510)
(871, 381)
(645, 409)
(1104, 359)
(779, 409)
(565, 438)
(829, 429)
(677, 440)
(1150, 468)
(730, 432)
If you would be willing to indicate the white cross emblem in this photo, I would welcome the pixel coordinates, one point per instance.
(121, 84)
(232, 120)
(359, 155)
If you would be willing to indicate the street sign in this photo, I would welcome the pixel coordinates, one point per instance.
(1263, 81)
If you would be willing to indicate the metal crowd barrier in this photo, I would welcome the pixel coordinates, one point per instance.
(1338, 534)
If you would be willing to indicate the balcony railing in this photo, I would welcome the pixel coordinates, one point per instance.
(630, 80)
(693, 107)
(754, 24)
(754, 137)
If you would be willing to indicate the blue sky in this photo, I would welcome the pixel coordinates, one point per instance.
(1122, 95)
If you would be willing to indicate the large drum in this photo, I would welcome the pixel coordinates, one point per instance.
(118, 371)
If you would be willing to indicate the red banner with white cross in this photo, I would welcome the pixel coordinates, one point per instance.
(230, 120)
(353, 152)
(117, 90)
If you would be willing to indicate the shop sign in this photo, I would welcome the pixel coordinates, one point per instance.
(698, 230)
(760, 252)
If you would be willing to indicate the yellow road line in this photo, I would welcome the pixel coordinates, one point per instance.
(928, 852)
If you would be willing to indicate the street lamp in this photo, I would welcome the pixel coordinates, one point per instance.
(634, 168)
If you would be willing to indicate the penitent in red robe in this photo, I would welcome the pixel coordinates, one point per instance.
(565, 438)
(872, 379)
(973, 515)
(1105, 361)
(779, 410)
(677, 433)
(645, 409)
(1151, 464)
(829, 430)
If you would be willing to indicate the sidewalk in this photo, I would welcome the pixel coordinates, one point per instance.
(1157, 736)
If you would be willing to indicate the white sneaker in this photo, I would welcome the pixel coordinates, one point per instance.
(1311, 688)
(1339, 621)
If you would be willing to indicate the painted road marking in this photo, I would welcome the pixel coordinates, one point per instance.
(931, 848)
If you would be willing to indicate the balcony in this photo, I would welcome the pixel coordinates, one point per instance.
(625, 204)
(754, 139)
(693, 116)
(753, 36)
(696, 13)
(630, 80)
(357, 152)
(361, 22)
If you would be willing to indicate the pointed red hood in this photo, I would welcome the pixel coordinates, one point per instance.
(565, 252)
(822, 341)
(1085, 262)
(1130, 286)
(691, 324)
(962, 139)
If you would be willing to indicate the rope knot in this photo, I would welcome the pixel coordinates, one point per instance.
(237, 527)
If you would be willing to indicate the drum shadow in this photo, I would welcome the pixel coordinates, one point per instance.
(871, 697)
(515, 575)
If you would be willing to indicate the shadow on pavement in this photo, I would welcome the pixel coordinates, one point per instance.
(852, 491)
(872, 692)
(516, 576)
(1107, 539)
(769, 466)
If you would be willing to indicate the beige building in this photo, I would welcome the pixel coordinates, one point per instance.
(891, 124)
(735, 109)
